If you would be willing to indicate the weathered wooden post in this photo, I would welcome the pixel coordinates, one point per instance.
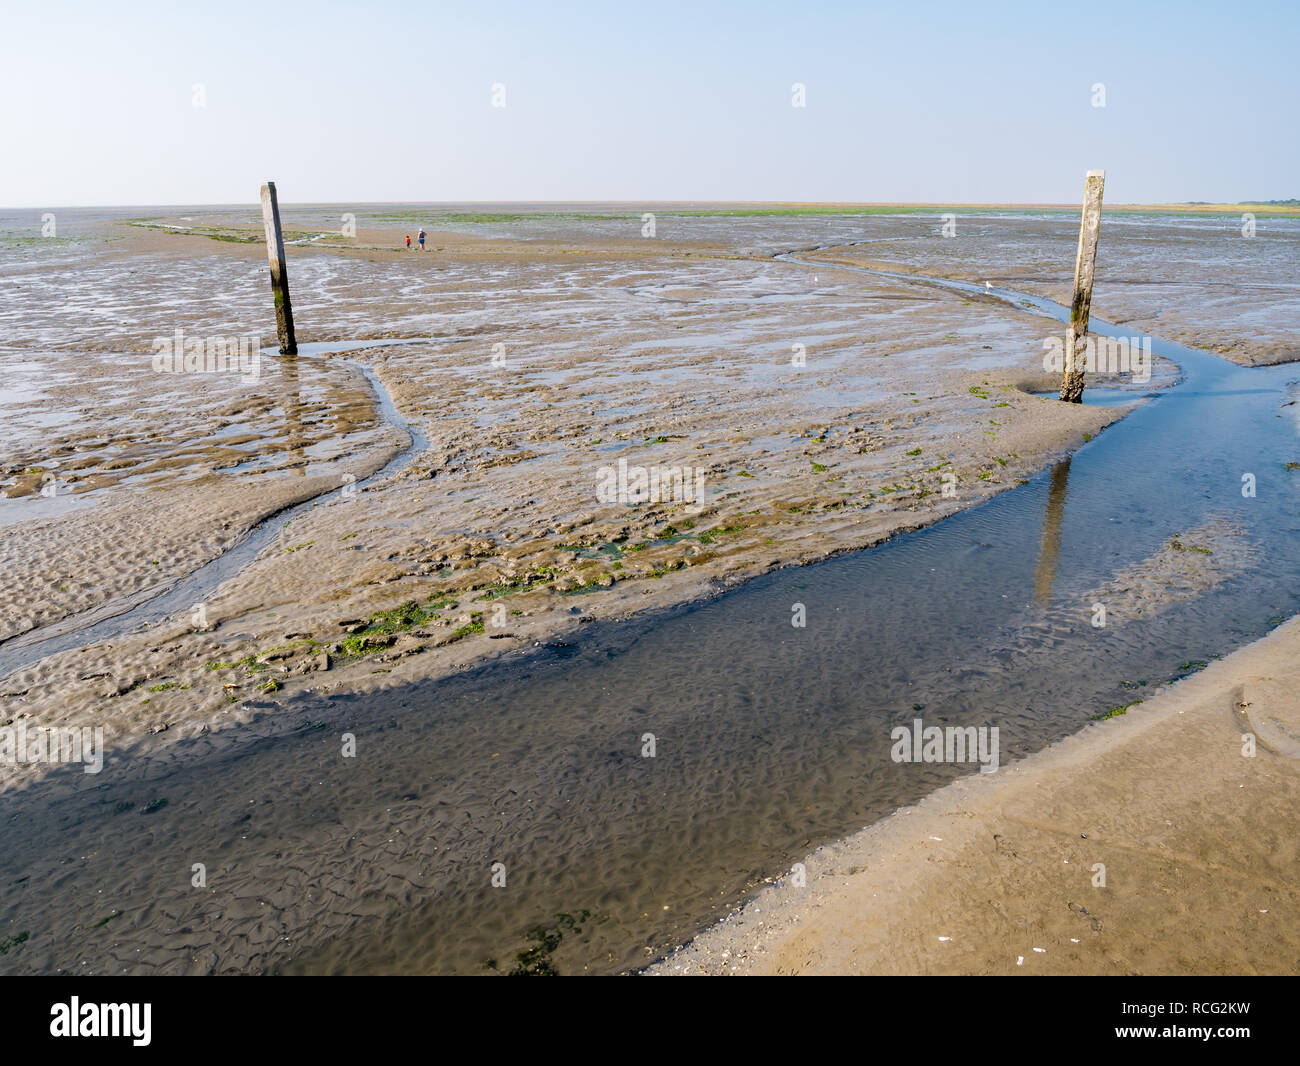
(1076, 339)
(279, 270)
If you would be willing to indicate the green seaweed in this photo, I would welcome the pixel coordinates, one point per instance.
(535, 961)
(1115, 712)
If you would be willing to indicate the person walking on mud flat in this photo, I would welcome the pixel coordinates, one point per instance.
(421, 239)
(408, 241)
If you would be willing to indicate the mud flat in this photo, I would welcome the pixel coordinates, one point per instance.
(1194, 280)
(675, 353)
(440, 614)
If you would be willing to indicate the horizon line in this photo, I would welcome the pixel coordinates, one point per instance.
(671, 203)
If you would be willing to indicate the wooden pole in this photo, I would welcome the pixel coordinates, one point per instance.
(279, 270)
(1076, 339)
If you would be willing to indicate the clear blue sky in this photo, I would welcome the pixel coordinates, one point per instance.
(924, 102)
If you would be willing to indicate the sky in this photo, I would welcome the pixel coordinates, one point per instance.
(165, 103)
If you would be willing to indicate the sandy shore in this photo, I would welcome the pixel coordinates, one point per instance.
(1003, 873)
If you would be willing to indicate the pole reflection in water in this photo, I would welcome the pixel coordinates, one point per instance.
(1045, 574)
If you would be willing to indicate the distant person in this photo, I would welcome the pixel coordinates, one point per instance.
(421, 238)
(408, 240)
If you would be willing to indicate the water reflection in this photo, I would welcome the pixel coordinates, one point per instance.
(1045, 573)
(292, 404)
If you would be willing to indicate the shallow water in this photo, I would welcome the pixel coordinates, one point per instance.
(769, 739)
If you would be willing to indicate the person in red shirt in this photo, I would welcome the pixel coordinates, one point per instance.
(408, 240)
